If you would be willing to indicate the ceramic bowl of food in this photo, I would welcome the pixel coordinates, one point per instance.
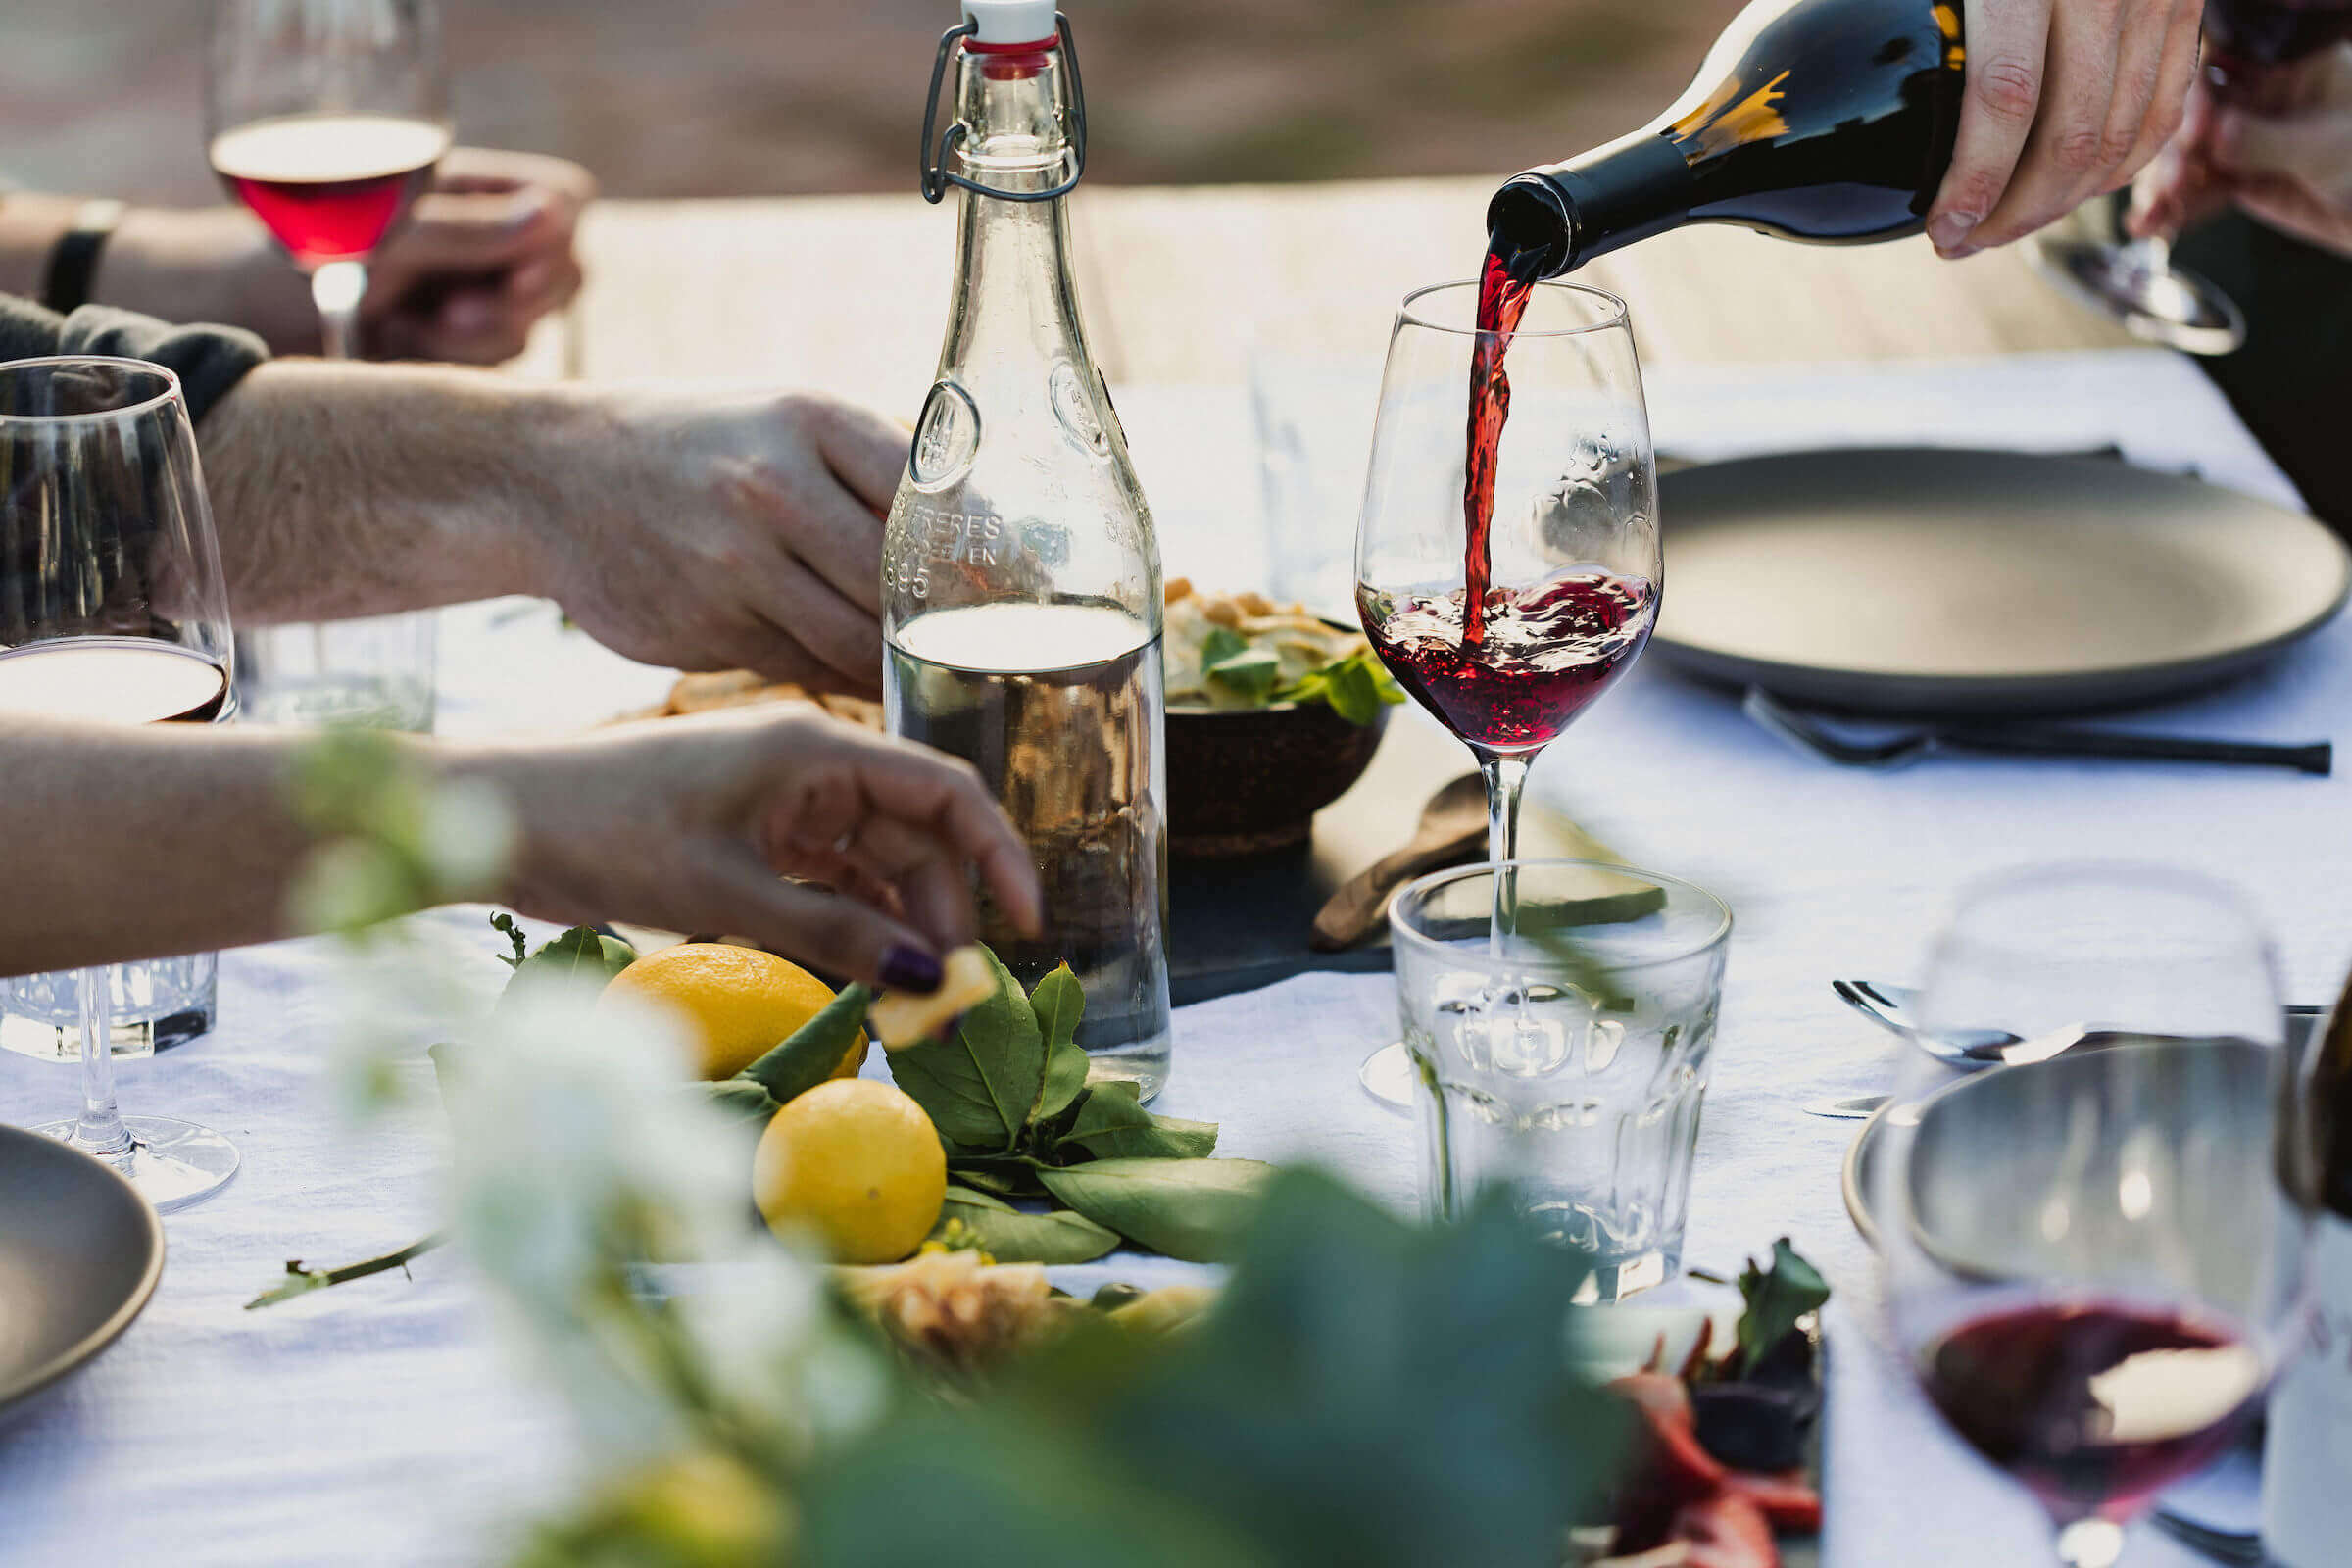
(1273, 713)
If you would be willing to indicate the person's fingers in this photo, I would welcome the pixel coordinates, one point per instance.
(2316, 149)
(945, 795)
(2006, 44)
(2176, 78)
(2133, 110)
(801, 609)
(478, 231)
(2068, 151)
(933, 881)
(935, 895)
(826, 527)
(826, 931)
(728, 638)
(464, 169)
(865, 451)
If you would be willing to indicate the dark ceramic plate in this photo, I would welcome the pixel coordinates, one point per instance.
(1923, 582)
(79, 1254)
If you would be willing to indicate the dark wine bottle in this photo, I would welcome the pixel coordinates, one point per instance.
(1829, 120)
(2306, 1451)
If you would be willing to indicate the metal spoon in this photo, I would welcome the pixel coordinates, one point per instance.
(1895, 1008)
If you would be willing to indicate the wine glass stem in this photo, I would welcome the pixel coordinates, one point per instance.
(100, 1131)
(2091, 1543)
(1505, 777)
(336, 288)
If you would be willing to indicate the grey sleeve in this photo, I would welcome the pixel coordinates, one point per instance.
(209, 360)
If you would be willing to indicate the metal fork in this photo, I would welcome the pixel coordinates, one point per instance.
(1807, 735)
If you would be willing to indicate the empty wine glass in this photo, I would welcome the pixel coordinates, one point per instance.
(1570, 562)
(116, 611)
(2090, 1270)
(326, 119)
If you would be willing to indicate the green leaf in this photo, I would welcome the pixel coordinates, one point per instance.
(811, 1053)
(1193, 1210)
(1379, 1394)
(1251, 674)
(979, 1087)
(579, 955)
(1014, 1236)
(1005, 1175)
(1221, 644)
(1112, 1124)
(1349, 689)
(1776, 1300)
(1058, 1003)
(743, 1099)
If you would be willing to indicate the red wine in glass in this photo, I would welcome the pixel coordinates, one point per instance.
(1505, 282)
(329, 186)
(1549, 651)
(2094, 1407)
(115, 680)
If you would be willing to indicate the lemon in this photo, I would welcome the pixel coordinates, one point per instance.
(858, 1162)
(738, 1002)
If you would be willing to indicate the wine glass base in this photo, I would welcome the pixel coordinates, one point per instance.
(173, 1163)
(2171, 307)
(1389, 1076)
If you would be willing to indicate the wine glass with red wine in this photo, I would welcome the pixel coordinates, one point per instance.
(1506, 557)
(115, 613)
(326, 117)
(2090, 1270)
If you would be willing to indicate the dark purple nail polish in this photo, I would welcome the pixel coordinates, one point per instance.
(905, 968)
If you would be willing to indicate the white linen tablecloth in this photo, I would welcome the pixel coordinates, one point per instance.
(379, 1422)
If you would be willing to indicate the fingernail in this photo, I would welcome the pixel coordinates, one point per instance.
(905, 968)
(1950, 230)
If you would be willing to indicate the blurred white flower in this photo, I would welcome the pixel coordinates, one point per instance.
(468, 832)
(583, 1152)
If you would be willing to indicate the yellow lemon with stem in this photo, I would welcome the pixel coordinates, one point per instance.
(739, 1004)
(856, 1162)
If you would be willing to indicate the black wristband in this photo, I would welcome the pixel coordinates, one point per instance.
(73, 260)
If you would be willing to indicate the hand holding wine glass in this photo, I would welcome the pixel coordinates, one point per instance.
(2288, 165)
(2093, 1274)
(326, 119)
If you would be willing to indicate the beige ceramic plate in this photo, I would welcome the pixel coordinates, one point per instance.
(1918, 580)
(79, 1254)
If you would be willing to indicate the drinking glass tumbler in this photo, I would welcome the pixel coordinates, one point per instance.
(1565, 1061)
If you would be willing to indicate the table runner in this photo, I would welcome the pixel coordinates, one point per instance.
(379, 1423)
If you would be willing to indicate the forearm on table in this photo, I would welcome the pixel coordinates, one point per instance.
(120, 843)
(206, 263)
(358, 490)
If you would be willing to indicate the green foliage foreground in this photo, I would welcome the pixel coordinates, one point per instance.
(1365, 1392)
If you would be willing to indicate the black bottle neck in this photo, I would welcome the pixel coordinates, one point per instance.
(1567, 214)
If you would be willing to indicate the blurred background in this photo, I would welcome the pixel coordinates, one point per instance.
(778, 97)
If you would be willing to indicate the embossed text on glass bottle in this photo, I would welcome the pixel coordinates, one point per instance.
(1021, 581)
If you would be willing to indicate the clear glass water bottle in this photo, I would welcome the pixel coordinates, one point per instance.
(1020, 580)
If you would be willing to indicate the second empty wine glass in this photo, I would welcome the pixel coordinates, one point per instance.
(1570, 564)
(116, 612)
